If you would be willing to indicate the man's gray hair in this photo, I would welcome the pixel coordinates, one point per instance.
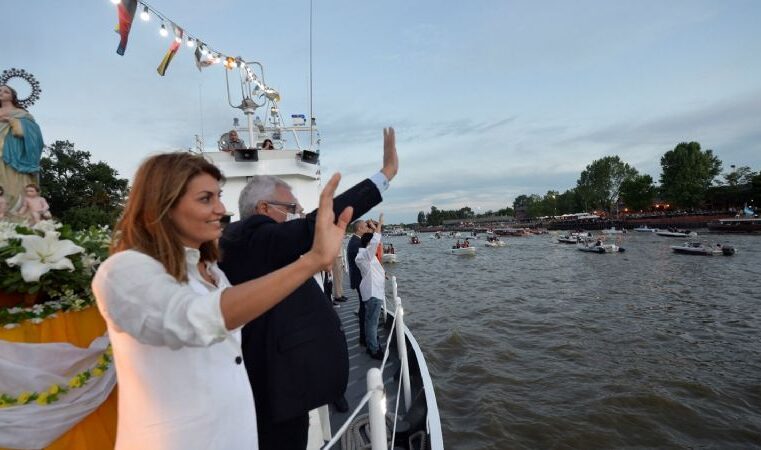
(356, 224)
(258, 188)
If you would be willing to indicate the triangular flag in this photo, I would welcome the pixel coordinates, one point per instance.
(201, 61)
(126, 10)
(161, 69)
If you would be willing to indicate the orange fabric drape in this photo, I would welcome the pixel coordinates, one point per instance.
(98, 430)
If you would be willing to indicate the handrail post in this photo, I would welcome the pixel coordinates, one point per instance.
(377, 409)
(401, 347)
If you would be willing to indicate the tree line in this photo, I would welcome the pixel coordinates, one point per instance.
(689, 179)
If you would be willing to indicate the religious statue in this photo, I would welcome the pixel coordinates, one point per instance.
(20, 140)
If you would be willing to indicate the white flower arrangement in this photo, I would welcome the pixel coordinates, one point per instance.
(52, 262)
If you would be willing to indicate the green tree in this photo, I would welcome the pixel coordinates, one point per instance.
(569, 202)
(741, 175)
(638, 192)
(421, 217)
(80, 193)
(599, 184)
(687, 174)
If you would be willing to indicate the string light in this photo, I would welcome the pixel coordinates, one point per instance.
(191, 43)
(163, 31)
(178, 39)
(116, 2)
(204, 51)
(144, 15)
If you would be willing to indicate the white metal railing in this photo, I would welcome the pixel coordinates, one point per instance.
(375, 396)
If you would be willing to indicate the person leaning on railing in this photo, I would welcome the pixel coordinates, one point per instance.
(174, 319)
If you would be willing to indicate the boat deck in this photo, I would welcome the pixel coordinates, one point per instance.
(360, 362)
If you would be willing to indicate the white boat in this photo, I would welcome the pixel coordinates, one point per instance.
(612, 230)
(297, 161)
(388, 258)
(671, 232)
(645, 229)
(494, 243)
(463, 251)
(600, 247)
(698, 248)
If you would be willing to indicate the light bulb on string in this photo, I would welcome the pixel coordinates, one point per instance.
(116, 2)
(191, 43)
(178, 39)
(204, 51)
(144, 15)
(163, 31)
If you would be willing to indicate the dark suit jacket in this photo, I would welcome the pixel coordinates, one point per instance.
(295, 353)
(352, 248)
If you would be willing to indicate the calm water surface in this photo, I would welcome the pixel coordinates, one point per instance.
(538, 345)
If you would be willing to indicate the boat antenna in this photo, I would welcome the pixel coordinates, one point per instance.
(311, 114)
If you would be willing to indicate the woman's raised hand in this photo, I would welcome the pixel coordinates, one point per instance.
(329, 232)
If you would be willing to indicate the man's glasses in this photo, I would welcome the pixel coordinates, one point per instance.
(289, 206)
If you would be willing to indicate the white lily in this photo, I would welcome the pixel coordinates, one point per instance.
(43, 254)
(47, 225)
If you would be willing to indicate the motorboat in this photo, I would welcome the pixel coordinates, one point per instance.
(388, 258)
(673, 232)
(599, 247)
(414, 240)
(612, 230)
(645, 229)
(463, 251)
(494, 242)
(699, 248)
(568, 239)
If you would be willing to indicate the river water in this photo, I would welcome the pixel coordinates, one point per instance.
(537, 345)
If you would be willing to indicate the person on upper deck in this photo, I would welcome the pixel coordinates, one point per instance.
(267, 145)
(234, 142)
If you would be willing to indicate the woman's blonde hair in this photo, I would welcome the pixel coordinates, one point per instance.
(146, 225)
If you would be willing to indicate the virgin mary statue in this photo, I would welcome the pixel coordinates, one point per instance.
(20, 146)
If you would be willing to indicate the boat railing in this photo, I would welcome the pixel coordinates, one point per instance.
(375, 397)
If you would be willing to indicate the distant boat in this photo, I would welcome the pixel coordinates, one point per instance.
(494, 242)
(600, 247)
(698, 248)
(388, 258)
(463, 251)
(673, 232)
(612, 230)
(736, 225)
(645, 229)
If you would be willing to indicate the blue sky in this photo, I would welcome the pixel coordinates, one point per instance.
(490, 99)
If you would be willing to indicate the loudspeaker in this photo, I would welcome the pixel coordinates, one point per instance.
(310, 157)
(246, 154)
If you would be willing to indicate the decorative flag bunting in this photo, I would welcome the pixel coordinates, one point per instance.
(126, 11)
(202, 61)
(173, 47)
(205, 55)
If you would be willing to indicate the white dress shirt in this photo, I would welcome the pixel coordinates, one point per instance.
(373, 282)
(182, 383)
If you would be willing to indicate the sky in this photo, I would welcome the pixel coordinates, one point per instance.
(490, 99)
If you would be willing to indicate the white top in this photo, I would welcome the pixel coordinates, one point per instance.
(373, 282)
(182, 383)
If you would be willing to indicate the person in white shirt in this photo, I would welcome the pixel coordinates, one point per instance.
(373, 285)
(174, 319)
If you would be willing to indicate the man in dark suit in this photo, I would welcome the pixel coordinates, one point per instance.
(355, 276)
(295, 353)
